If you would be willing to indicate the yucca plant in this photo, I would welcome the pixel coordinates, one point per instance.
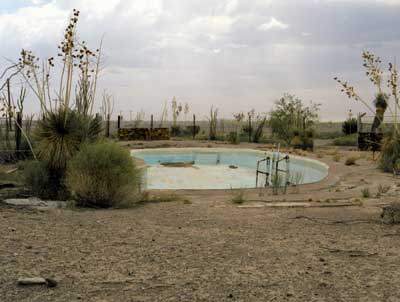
(213, 123)
(390, 147)
(381, 104)
(69, 122)
(60, 133)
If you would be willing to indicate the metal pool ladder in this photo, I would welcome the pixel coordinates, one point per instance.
(272, 167)
(267, 161)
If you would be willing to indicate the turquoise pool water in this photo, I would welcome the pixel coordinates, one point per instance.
(211, 169)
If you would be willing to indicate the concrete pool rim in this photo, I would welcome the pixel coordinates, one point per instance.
(317, 164)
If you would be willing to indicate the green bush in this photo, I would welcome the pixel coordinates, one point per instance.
(176, 131)
(350, 126)
(43, 181)
(390, 153)
(365, 193)
(303, 141)
(233, 138)
(61, 132)
(348, 140)
(103, 175)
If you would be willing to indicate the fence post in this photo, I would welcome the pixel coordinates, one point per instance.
(250, 129)
(119, 122)
(108, 126)
(18, 126)
(194, 126)
(151, 126)
(9, 105)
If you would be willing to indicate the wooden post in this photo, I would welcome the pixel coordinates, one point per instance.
(119, 122)
(108, 125)
(250, 130)
(18, 126)
(151, 127)
(194, 126)
(9, 105)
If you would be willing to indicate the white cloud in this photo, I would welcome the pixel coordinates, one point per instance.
(212, 25)
(214, 52)
(273, 24)
(29, 25)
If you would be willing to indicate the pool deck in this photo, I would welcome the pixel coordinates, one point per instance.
(342, 186)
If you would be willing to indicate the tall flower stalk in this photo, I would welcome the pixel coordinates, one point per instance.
(382, 101)
(389, 100)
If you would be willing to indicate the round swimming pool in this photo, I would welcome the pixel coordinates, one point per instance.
(219, 168)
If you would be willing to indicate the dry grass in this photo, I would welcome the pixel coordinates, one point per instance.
(351, 161)
(337, 157)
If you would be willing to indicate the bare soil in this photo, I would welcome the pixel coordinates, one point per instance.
(200, 252)
(210, 249)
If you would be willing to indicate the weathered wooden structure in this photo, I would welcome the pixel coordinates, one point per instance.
(127, 134)
(368, 140)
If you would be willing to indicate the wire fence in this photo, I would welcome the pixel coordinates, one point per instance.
(365, 123)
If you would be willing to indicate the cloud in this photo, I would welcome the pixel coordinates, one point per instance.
(273, 24)
(216, 52)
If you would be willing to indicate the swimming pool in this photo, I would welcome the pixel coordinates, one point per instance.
(217, 168)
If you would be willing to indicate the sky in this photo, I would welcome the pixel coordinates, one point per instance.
(235, 55)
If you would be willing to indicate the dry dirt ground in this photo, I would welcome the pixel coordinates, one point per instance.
(210, 249)
(203, 251)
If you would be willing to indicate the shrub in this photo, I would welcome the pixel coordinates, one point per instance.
(238, 197)
(277, 181)
(296, 142)
(61, 132)
(365, 193)
(390, 153)
(336, 157)
(103, 175)
(190, 130)
(259, 130)
(43, 181)
(59, 136)
(383, 189)
(351, 161)
(233, 138)
(289, 115)
(349, 126)
(349, 140)
(176, 131)
(213, 124)
(303, 142)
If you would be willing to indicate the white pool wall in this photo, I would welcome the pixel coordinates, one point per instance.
(200, 176)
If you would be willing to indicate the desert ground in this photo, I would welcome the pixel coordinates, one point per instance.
(322, 242)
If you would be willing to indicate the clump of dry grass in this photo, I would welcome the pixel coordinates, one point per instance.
(337, 157)
(365, 193)
(238, 197)
(332, 152)
(351, 161)
(383, 189)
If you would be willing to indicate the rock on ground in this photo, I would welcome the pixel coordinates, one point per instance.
(391, 213)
